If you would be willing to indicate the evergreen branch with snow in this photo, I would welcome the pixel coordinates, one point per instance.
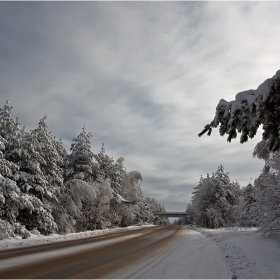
(248, 111)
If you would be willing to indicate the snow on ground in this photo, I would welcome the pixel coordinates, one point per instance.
(40, 239)
(190, 255)
(200, 253)
(196, 253)
(247, 253)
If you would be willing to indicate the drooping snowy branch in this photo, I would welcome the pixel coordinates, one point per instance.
(248, 111)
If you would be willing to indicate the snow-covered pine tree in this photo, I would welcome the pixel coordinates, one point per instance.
(9, 194)
(13, 200)
(250, 109)
(48, 157)
(77, 201)
(250, 212)
(107, 169)
(200, 200)
(154, 206)
(7, 168)
(14, 181)
(60, 150)
(79, 164)
(268, 185)
(11, 132)
(39, 178)
(15, 149)
(215, 198)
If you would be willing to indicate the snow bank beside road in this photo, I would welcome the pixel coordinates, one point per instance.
(40, 239)
(247, 253)
(200, 253)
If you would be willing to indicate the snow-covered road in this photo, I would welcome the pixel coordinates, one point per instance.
(91, 257)
(204, 253)
(188, 253)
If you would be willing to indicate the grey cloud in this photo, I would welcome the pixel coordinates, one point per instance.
(144, 77)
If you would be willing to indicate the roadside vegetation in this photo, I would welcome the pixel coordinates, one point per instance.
(44, 189)
(217, 202)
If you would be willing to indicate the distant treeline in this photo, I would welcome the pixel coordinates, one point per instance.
(44, 189)
(218, 202)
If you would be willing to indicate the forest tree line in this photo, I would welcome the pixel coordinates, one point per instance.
(218, 202)
(44, 189)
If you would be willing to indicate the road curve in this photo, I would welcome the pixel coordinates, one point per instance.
(91, 257)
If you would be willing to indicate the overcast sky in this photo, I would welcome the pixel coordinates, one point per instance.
(143, 77)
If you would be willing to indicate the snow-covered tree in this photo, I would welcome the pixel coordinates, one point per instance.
(48, 157)
(61, 151)
(134, 210)
(9, 130)
(6, 230)
(44, 189)
(107, 169)
(7, 168)
(268, 185)
(97, 212)
(154, 206)
(17, 165)
(249, 206)
(72, 212)
(22, 210)
(130, 188)
(10, 142)
(248, 111)
(39, 178)
(187, 220)
(79, 164)
(215, 198)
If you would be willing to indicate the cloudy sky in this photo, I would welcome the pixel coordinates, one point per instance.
(143, 77)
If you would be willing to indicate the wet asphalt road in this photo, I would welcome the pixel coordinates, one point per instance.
(91, 257)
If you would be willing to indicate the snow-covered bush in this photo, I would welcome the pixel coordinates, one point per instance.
(100, 212)
(71, 214)
(6, 230)
(22, 231)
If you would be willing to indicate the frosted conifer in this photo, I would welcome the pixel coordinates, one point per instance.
(248, 111)
(268, 184)
(79, 164)
(215, 198)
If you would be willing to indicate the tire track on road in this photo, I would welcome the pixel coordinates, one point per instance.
(77, 263)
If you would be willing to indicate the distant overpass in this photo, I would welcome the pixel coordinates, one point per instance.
(171, 214)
